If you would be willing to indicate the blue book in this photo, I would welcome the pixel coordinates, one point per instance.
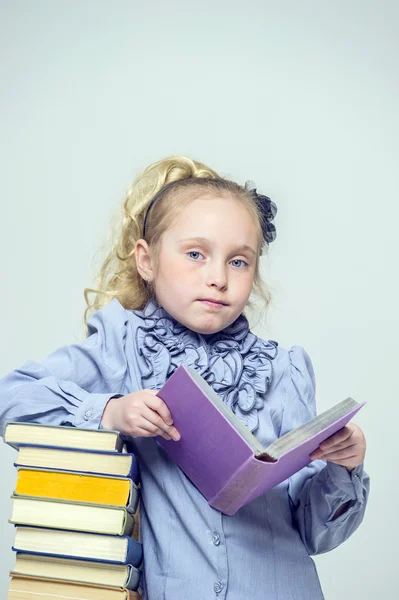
(62, 543)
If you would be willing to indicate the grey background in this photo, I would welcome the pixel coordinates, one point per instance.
(301, 97)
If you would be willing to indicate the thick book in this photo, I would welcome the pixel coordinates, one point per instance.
(220, 455)
(117, 464)
(78, 487)
(77, 516)
(78, 571)
(35, 588)
(78, 545)
(60, 436)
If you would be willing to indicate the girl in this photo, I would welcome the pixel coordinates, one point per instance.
(172, 291)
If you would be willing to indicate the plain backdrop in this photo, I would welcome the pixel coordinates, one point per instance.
(302, 98)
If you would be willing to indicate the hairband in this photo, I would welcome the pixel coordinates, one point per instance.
(266, 207)
(152, 202)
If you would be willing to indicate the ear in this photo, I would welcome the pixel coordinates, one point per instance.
(143, 260)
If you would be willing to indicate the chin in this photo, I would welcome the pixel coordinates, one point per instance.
(210, 327)
(202, 322)
(207, 331)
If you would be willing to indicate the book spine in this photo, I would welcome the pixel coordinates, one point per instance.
(119, 444)
(128, 524)
(133, 579)
(134, 552)
(239, 487)
(133, 499)
(133, 472)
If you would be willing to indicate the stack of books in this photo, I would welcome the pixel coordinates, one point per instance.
(74, 508)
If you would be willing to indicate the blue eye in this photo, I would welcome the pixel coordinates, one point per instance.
(195, 252)
(239, 260)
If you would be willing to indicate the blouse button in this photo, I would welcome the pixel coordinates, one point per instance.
(89, 414)
(216, 539)
(218, 586)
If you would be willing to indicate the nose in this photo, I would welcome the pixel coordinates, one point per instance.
(217, 276)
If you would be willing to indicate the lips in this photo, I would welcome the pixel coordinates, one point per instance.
(217, 302)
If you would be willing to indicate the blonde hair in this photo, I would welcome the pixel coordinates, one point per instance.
(118, 276)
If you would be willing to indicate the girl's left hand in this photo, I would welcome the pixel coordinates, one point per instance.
(347, 447)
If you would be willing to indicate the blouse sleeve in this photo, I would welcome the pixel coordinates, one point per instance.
(319, 489)
(73, 384)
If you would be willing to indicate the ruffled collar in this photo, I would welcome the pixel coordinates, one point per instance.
(235, 363)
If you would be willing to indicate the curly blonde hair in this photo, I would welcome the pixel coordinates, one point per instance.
(118, 276)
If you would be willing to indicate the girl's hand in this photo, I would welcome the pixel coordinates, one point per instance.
(140, 414)
(347, 447)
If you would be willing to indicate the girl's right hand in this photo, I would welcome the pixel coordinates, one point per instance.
(140, 414)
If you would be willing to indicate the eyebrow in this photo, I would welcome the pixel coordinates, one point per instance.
(237, 250)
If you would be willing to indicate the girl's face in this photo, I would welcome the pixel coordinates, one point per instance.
(206, 265)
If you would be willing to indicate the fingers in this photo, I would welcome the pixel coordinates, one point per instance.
(341, 446)
(340, 437)
(338, 441)
(148, 429)
(347, 447)
(332, 450)
(157, 404)
(345, 453)
(156, 423)
(339, 452)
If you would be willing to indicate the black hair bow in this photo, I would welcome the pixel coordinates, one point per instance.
(268, 210)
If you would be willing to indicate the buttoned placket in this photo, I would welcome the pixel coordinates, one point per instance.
(220, 553)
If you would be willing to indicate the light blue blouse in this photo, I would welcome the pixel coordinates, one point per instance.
(192, 550)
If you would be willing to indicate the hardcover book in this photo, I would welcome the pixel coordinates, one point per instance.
(16, 433)
(77, 544)
(78, 571)
(219, 454)
(79, 487)
(118, 464)
(76, 516)
(35, 588)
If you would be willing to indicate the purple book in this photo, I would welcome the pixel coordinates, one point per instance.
(220, 455)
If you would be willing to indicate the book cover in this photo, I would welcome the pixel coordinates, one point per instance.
(215, 450)
(95, 462)
(79, 487)
(34, 588)
(76, 516)
(61, 436)
(78, 545)
(77, 571)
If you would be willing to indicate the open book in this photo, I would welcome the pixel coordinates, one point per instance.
(221, 456)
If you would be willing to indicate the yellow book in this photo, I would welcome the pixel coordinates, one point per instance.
(77, 487)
